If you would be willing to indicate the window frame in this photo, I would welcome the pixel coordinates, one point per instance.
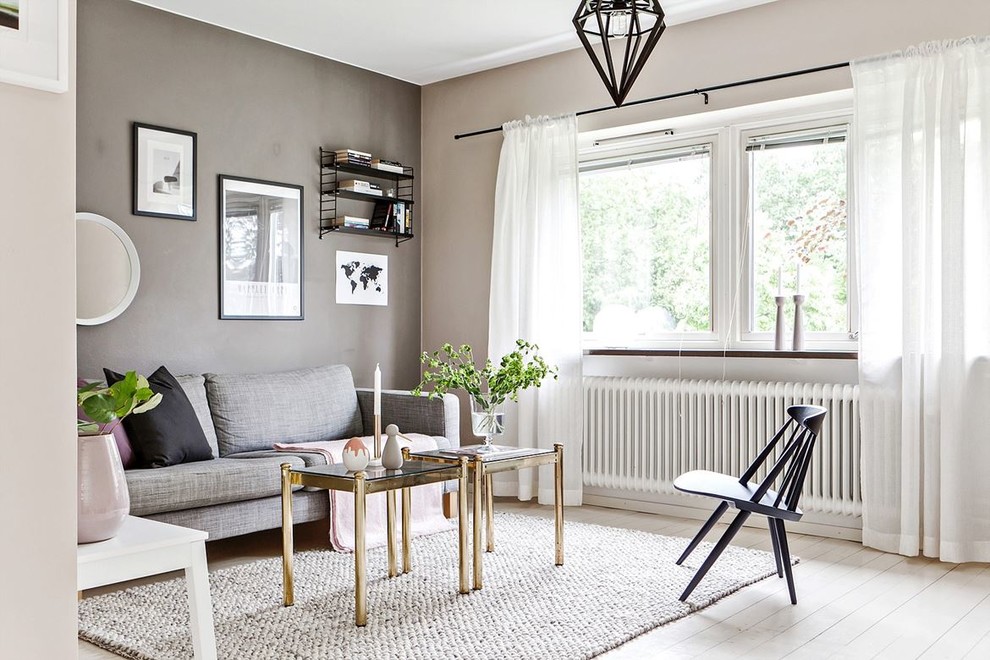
(642, 149)
(744, 335)
(731, 239)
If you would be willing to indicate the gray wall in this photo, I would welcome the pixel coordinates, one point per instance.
(261, 111)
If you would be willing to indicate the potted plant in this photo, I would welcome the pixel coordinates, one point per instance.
(489, 387)
(103, 498)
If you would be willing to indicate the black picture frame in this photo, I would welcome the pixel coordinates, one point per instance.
(246, 286)
(153, 150)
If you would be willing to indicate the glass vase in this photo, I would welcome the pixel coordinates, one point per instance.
(488, 423)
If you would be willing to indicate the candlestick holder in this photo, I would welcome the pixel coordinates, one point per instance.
(778, 337)
(798, 343)
(376, 457)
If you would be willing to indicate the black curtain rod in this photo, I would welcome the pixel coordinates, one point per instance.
(692, 92)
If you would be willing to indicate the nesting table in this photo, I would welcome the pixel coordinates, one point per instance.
(361, 484)
(482, 466)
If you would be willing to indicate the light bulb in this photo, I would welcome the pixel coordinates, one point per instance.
(618, 24)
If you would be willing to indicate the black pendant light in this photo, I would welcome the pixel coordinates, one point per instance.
(627, 31)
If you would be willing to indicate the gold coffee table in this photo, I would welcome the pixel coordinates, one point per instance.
(364, 483)
(482, 466)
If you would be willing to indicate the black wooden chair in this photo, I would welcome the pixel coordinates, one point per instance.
(749, 497)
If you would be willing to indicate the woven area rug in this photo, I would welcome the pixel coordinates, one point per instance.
(615, 585)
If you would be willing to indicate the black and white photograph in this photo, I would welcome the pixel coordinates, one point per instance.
(164, 172)
(34, 44)
(261, 249)
(362, 279)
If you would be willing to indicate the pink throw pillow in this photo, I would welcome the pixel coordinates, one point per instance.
(118, 432)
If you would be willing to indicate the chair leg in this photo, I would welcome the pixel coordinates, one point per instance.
(716, 551)
(719, 510)
(785, 556)
(776, 546)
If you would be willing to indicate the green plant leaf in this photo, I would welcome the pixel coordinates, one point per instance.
(149, 404)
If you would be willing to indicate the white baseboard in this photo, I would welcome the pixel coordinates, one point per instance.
(848, 528)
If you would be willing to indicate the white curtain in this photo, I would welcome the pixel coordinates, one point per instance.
(536, 292)
(922, 192)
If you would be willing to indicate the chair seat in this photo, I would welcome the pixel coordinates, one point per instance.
(726, 487)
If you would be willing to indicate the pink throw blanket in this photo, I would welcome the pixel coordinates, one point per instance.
(427, 501)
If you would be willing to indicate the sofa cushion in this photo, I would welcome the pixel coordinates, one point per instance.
(168, 434)
(254, 411)
(192, 485)
(195, 389)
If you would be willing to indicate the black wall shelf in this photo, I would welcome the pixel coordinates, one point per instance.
(332, 172)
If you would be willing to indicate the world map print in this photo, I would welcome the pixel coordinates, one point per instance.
(362, 279)
(362, 275)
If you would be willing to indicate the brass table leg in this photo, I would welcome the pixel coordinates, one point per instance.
(462, 523)
(287, 586)
(558, 503)
(476, 522)
(390, 533)
(360, 558)
(406, 532)
(489, 520)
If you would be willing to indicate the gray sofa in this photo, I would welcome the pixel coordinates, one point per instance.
(239, 491)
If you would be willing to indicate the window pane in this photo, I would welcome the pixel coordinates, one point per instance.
(646, 240)
(798, 195)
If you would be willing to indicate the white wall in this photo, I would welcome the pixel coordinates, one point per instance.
(459, 176)
(37, 372)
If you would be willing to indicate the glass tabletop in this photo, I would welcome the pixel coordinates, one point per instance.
(496, 453)
(371, 473)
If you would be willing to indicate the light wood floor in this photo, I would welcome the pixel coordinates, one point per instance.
(853, 602)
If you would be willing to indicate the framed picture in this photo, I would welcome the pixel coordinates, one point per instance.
(362, 279)
(261, 249)
(34, 43)
(164, 172)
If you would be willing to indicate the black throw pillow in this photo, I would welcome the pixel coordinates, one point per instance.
(168, 434)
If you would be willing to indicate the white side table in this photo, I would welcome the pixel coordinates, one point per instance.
(147, 547)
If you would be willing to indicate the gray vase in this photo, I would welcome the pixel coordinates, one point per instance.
(103, 498)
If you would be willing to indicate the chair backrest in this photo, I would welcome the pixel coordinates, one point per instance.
(793, 461)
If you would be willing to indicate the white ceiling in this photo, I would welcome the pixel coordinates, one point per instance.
(421, 41)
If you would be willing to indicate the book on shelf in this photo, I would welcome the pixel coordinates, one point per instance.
(359, 186)
(352, 157)
(352, 221)
(379, 218)
(401, 216)
(353, 152)
(387, 165)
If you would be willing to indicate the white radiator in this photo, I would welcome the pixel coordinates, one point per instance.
(641, 433)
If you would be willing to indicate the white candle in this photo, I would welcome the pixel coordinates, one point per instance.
(797, 280)
(780, 280)
(378, 390)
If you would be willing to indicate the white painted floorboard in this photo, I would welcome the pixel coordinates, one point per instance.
(853, 602)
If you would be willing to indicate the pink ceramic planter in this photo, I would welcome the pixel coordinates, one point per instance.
(103, 498)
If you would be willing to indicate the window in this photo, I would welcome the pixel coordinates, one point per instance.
(647, 244)
(687, 244)
(797, 208)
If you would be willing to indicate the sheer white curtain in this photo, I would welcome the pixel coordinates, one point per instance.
(536, 290)
(922, 192)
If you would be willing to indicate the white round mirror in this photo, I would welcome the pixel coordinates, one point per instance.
(107, 269)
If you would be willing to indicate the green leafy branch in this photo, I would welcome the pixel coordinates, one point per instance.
(110, 405)
(454, 369)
